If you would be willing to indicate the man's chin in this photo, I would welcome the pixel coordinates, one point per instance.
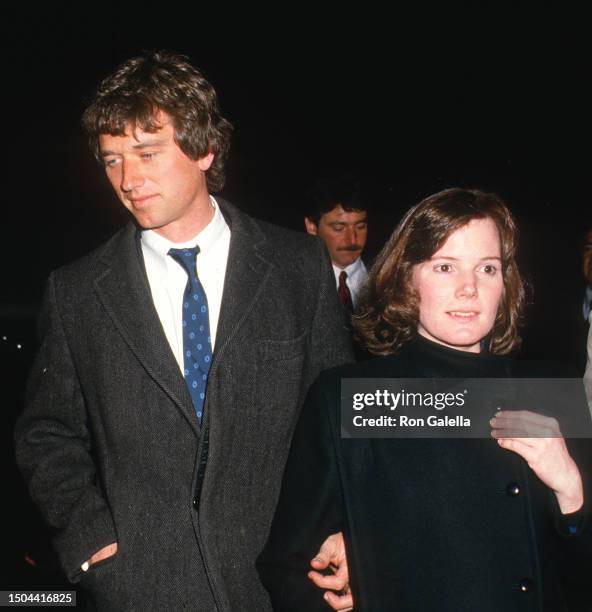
(344, 263)
(146, 221)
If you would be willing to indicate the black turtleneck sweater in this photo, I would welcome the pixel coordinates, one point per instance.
(432, 525)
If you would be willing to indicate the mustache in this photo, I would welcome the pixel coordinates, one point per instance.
(353, 249)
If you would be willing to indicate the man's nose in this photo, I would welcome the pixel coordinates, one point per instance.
(350, 237)
(131, 177)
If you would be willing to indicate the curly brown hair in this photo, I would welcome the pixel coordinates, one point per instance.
(388, 314)
(157, 81)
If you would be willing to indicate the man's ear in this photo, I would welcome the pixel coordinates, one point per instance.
(206, 161)
(311, 226)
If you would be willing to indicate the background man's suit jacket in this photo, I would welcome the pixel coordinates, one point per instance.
(109, 441)
(588, 372)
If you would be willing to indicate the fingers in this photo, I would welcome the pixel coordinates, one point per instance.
(104, 553)
(535, 450)
(342, 603)
(331, 556)
(549, 459)
(325, 555)
(323, 560)
(320, 562)
(523, 424)
(332, 552)
(335, 582)
(342, 600)
(520, 446)
(527, 417)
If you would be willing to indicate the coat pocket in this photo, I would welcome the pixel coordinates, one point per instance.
(282, 350)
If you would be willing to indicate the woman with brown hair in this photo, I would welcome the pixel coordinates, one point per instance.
(434, 524)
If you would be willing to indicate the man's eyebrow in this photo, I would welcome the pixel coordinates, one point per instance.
(339, 222)
(156, 142)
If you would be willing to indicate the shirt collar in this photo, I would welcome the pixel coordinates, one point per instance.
(157, 246)
(351, 270)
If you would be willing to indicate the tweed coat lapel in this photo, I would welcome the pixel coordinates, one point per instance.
(247, 268)
(123, 290)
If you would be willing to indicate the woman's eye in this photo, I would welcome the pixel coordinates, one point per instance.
(444, 268)
(489, 269)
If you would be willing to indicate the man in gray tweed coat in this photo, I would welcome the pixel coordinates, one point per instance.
(161, 482)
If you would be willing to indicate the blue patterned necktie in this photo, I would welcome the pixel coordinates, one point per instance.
(197, 344)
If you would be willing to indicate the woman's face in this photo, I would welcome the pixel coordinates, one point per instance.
(460, 287)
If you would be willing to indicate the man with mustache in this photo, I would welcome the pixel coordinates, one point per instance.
(337, 215)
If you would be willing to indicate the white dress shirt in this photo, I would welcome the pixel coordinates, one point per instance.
(587, 303)
(356, 278)
(168, 279)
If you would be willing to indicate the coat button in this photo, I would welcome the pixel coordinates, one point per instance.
(195, 502)
(513, 489)
(526, 585)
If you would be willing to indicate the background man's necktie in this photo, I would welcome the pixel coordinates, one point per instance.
(344, 293)
(587, 303)
(197, 344)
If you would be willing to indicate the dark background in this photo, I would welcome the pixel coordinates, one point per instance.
(496, 98)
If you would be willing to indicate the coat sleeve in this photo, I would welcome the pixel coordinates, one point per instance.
(573, 532)
(54, 448)
(309, 510)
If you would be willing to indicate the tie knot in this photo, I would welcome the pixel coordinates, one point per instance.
(186, 257)
(342, 278)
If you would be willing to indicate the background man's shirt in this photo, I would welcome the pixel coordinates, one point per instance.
(356, 278)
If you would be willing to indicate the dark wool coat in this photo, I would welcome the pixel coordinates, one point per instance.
(431, 525)
(109, 442)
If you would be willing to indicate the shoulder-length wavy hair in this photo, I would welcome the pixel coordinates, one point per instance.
(389, 307)
(157, 81)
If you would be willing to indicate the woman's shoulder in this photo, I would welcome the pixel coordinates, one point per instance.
(542, 368)
(388, 366)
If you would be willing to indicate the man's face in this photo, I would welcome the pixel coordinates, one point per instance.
(343, 232)
(587, 258)
(162, 188)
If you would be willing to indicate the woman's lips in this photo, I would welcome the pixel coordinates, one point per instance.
(464, 316)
